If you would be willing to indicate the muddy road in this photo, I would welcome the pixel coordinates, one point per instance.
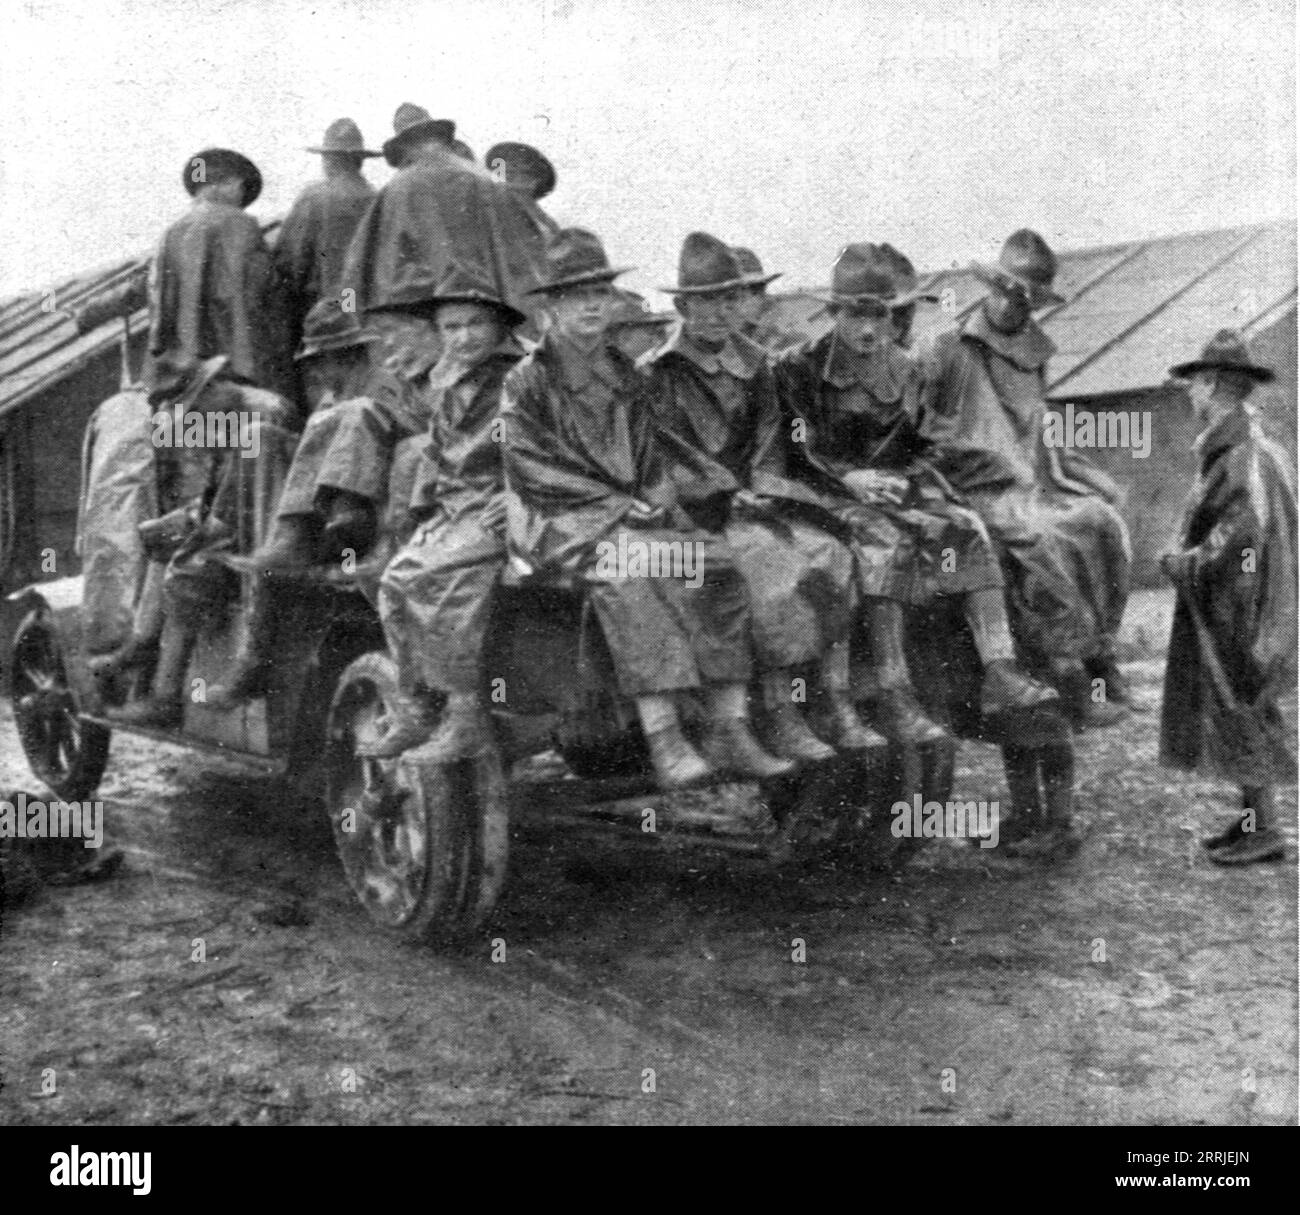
(626, 983)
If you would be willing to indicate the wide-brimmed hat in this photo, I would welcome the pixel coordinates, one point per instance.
(574, 257)
(872, 273)
(179, 377)
(1027, 261)
(527, 158)
(409, 123)
(343, 135)
(909, 286)
(204, 166)
(329, 326)
(635, 310)
(419, 294)
(706, 264)
(1225, 351)
(752, 268)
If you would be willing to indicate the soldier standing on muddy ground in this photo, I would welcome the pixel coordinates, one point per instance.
(1232, 650)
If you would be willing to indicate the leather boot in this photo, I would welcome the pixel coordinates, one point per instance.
(415, 719)
(251, 676)
(834, 717)
(1105, 667)
(1026, 818)
(464, 732)
(677, 765)
(1252, 848)
(289, 549)
(902, 720)
(1006, 687)
(899, 715)
(731, 747)
(1256, 801)
(837, 721)
(1077, 694)
(1229, 835)
(1058, 839)
(785, 732)
(164, 708)
(135, 652)
(349, 524)
(105, 669)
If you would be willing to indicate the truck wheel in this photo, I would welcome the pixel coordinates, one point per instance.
(64, 750)
(424, 848)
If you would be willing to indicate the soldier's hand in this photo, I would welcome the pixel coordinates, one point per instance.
(643, 514)
(872, 485)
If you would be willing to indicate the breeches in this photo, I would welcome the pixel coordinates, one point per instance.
(1067, 560)
(435, 600)
(672, 632)
(360, 454)
(801, 588)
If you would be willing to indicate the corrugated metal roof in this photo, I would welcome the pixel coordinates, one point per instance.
(1134, 309)
(39, 344)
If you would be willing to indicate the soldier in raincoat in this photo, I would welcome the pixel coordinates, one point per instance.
(854, 398)
(213, 289)
(1051, 512)
(755, 309)
(526, 171)
(585, 486)
(715, 396)
(1232, 651)
(315, 235)
(343, 467)
(436, 594)
(439, 211)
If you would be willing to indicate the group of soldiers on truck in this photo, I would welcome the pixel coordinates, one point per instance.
(827, 488)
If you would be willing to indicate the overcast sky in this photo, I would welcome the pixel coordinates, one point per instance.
(791, 127)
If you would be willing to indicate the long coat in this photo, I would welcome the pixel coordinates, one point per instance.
(866, 414)
(722, 419)
(1051, 512)
(435, 596)
(442, 212)
(582, 457)
(213, 290)
(1240, 523)
(314, 239)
